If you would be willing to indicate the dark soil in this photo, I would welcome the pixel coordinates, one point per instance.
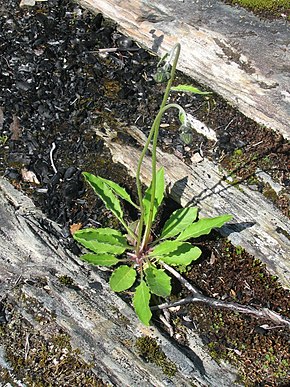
(55, 85)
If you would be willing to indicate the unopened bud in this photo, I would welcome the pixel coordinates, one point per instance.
(162, 75)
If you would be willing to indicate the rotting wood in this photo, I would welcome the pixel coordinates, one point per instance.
(256, 225)
(99, 323)
(242, 58)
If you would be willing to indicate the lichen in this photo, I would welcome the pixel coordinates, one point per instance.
(149, 350)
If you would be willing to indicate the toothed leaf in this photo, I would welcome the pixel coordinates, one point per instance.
(102, 240)
(203, 227)
(176, 253)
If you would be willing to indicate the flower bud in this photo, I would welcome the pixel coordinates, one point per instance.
(162, 75)
(186, 134)
(186, 137)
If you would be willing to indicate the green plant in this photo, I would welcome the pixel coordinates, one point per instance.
(140, 258)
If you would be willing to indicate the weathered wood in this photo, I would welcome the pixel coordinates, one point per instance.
(241, 57)
(257, 224)
(99, 323)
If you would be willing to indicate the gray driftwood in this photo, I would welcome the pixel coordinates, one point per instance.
(99, 323)
(257, 225)
(243, 58)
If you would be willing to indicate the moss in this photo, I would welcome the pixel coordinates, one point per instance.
(263, 4)
(40, 359)
(149, 349)
(240, 339)
(270, 193)
(239, 250)
(66, 280)
(265, 8)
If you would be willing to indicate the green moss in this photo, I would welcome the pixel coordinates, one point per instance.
(263, 4)
(239, 250)
(149, 349)
(66, 280)
(270, 193)
(265, 8)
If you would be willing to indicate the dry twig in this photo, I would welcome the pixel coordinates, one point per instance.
(235, 307)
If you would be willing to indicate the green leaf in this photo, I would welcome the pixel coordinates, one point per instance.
(184, 255)
(141, 303)
(106, 194)
(102, 240)
(158, 281)
(190, 89)
(120, 191)
(159, 194)
(203, 227)
(122, 278)
(178, 221)
(165, 247)
(101, 260)
(176, 253)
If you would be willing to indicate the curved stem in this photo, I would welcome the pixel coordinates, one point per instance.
(154, 169)
(153, 132)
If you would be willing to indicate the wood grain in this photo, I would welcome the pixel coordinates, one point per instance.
(102, 326)
(241, 57)
(256, 225)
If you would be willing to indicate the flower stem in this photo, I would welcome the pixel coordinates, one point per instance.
(153, 133)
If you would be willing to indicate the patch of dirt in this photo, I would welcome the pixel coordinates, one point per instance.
(56, 85)
(260, 350)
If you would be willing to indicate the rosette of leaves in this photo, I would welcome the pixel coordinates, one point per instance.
(141, 268)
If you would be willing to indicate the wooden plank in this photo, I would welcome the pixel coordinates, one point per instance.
(242, 58)
(102, 326)
(257, 224)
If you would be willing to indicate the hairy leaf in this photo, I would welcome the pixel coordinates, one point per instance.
(158, 281)
(101, 260)
(122, 278)
(190, 89)
(159, 194)
(141, 303)
(178, 221)
(106, 194)
(203, 227)
(120, 191)
(102, 240)
(176, 253)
